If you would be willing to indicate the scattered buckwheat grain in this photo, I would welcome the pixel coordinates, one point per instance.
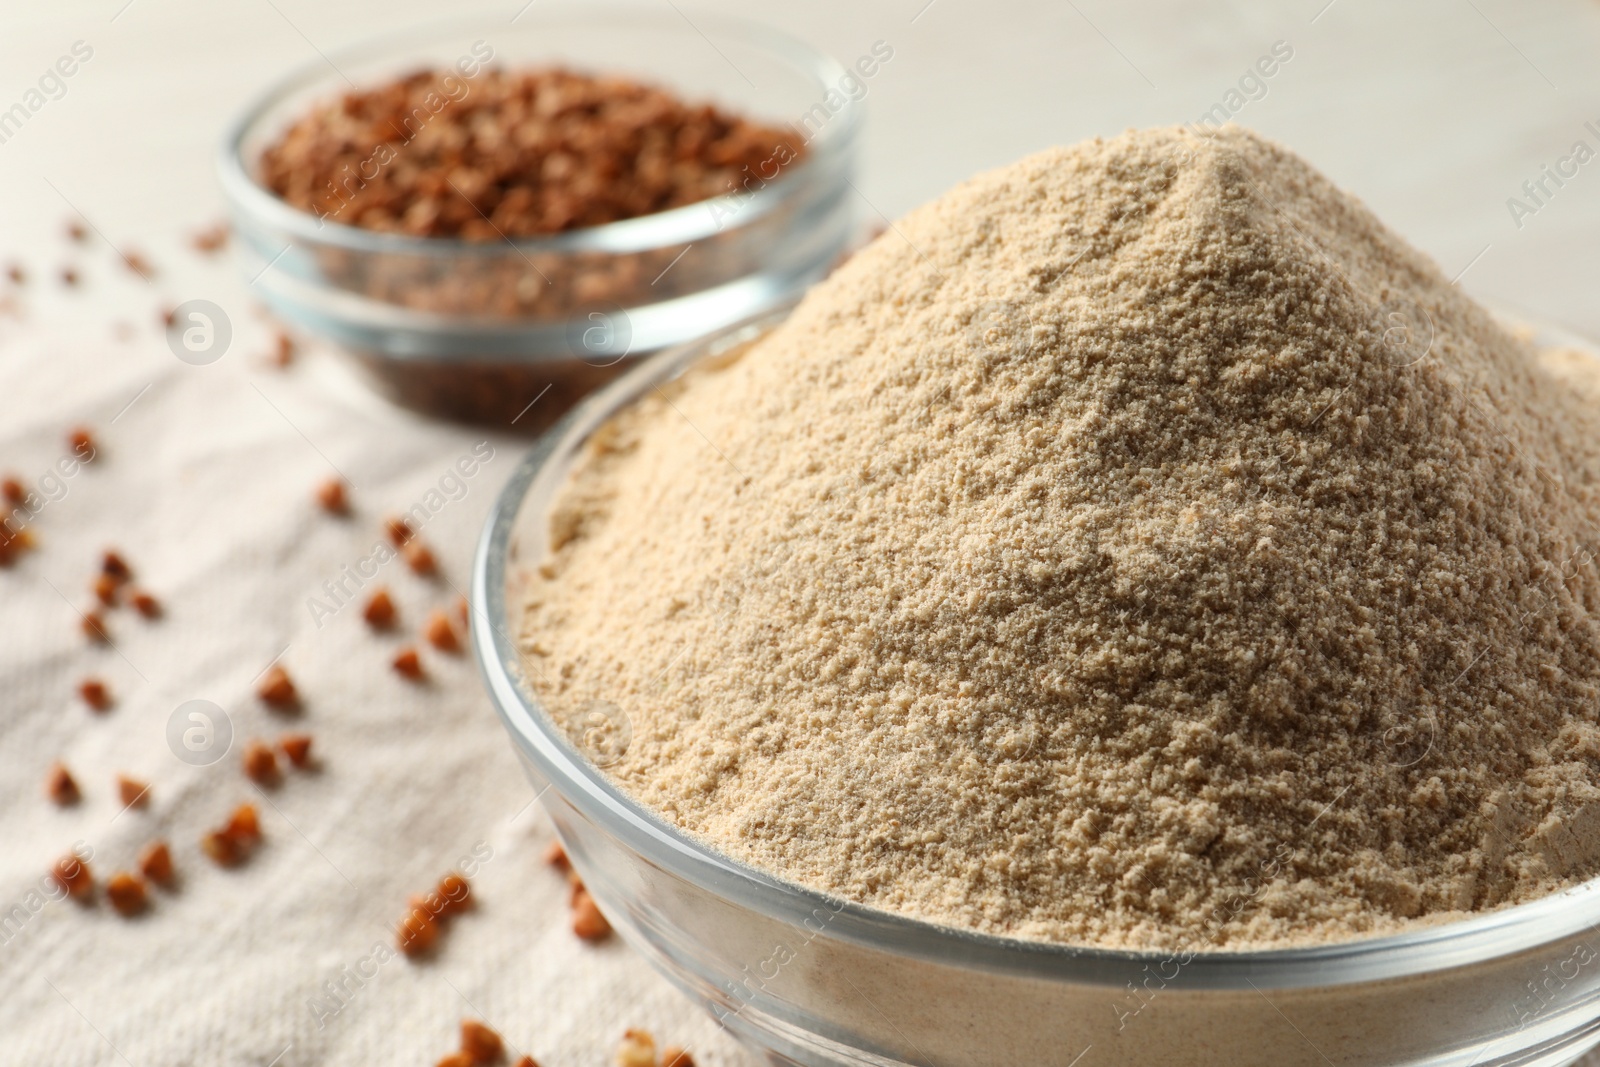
(72, 875)
(480, 1042)
(95, 693)
(333, 498)
(155, 863)
(297, 748)
(380, 611)
(277, 688)
(260, 763)
(420, 558)
(441, 634)
(132, 792)
(408, 664)
(61, 787)
(126, 892)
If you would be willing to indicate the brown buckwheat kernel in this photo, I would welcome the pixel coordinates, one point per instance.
(379, 612)
(137, 263)
(126, 892)
(12, 489)
(225, 851)
(145, 604)
(155, 863)
(430, 902)
(420, 558)
(331, 495)
(398, 529)
(441, 634)
(232, 844)
(408, 663)
(673, 1056)
(113, 566)
(132, 792)
(297, 747)
(105, 589)
(480, 1042)
(60, 786)
(417, 933)
(95, 694)
(211, 239)
(244, 825)
(587, 922)
(72, 874)
(277, 689)
(94, 628)
(260, 763)
(81, 441)
(456, 893)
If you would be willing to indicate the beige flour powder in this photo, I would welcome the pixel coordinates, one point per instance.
(1138, 546)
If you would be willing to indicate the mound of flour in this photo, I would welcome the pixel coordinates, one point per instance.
(1139, 545)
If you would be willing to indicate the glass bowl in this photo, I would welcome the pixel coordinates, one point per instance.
(479, 330)
(809, 979)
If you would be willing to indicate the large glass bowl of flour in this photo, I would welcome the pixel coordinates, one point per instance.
(809, 979)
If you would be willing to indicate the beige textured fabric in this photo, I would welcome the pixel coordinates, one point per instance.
(204, 482)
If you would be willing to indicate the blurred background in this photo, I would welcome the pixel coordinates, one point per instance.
(1435, 113)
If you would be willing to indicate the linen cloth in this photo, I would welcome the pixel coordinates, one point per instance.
(204, 480)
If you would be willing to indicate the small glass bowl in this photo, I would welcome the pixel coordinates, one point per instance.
(479, 330)
(808, 979)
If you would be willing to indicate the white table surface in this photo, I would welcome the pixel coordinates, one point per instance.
(1434, 112)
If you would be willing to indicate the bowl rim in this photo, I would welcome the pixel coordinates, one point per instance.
(1494, 935)
(679, 225)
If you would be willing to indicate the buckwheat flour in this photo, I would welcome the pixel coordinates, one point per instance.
(1139, 545)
